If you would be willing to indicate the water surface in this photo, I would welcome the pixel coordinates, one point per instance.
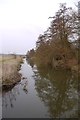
(22, 101)
(44, 93)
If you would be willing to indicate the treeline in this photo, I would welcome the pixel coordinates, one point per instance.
(58, 46)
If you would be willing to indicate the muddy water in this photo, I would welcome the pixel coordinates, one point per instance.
(43, 93)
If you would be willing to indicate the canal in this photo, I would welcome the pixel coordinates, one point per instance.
(42, 93)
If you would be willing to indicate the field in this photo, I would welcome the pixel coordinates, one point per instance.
(9, 66)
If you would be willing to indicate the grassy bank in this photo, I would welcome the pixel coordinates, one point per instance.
(10, 65)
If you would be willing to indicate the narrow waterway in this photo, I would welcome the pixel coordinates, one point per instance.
(22, 101)
(42, 93)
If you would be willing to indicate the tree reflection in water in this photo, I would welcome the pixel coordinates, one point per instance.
(8, 97)
(58, 90)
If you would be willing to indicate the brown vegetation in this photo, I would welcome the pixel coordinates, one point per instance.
(10, 66)
(54, 48)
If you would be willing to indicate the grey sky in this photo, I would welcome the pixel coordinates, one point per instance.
(21, 22)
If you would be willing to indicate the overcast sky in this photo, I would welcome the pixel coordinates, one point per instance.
(21, 22)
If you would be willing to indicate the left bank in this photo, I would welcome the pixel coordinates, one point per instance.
(11, 65)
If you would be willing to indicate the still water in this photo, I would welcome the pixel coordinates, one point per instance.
(43, 93)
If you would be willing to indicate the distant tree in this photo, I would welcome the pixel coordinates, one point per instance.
(30, 53)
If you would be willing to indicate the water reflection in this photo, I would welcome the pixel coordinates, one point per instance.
(9, 97)
(58, 90)
(22, 101)
(25, 87)
(30, 62)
